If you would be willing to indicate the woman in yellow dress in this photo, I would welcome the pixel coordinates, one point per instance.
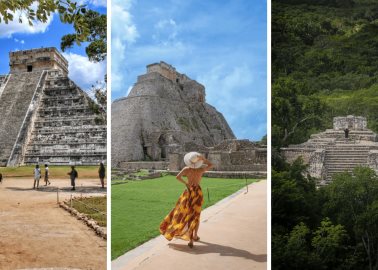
(183, 221)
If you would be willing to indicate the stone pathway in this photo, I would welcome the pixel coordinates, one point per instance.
(36, 233)
(233, 237)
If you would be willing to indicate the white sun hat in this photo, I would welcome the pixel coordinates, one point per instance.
(191, 160)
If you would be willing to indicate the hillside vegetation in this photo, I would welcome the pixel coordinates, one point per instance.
(324, 64)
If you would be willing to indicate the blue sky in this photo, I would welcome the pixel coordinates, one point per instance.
(221, 44)
(16, 36)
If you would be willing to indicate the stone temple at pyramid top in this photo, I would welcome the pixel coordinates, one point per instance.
(37, 60)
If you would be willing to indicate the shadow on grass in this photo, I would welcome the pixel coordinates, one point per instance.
(79, 189)
(207, 248)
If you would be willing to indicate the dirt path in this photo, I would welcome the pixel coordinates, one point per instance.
(233, 237)
(36, 233)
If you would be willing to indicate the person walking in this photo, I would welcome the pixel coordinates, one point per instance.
(184, 220)
(47, 175)
(1, 178)
(101, 174)
(73, 175)
(37, 176)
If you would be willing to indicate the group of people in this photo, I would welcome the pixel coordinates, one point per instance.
(37, 176)
(73, 176)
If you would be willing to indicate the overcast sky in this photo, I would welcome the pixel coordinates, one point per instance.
(221, 44)
(15, 36)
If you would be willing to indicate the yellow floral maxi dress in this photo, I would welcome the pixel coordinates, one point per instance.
(185, 217)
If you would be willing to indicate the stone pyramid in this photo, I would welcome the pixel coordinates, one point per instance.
(164, 110)
(45, 117)
(330, 152)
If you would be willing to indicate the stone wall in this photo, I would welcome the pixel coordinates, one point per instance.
(231, 155)
(133, 166)
(373, 160)
(164, 69)
(351, 122)
(292, 154)
(37, 60)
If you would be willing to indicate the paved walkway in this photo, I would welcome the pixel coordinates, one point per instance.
(233, 236)
(36, 233)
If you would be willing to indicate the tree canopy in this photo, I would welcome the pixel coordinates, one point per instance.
(89, 26)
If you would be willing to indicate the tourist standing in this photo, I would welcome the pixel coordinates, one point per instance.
(101, 174)
(346, 133)
(47, 175)
(73, 175)
(184, 220)
(1, 178)
(37, 176)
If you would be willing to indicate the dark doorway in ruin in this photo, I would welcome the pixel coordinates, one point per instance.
(146, 156)
(162, 145)
(29, 68)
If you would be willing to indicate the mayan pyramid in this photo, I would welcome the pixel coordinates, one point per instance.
(164, 111)
(45, 117)
(330, 152)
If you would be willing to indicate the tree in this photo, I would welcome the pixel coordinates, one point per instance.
(353, 202)
(89, 25)
(96, 50)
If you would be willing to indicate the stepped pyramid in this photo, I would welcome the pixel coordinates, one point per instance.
(164, 110)
(330, 152)
(45, 117)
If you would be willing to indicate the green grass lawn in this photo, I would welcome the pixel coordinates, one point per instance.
(138, 207)
(88, 206)
(55, 171)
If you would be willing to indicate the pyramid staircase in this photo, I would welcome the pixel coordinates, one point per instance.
(66, 129)
(344, 156)
(15, 100)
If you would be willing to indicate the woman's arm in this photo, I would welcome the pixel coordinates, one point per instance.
(206, 162)
(180, 175)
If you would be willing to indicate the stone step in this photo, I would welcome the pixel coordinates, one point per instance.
(14, 104)
(346, 152)
(342, 157)
(65, 154)
(345, 161)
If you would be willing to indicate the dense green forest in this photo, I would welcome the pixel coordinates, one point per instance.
(324, 64)
(324, 59)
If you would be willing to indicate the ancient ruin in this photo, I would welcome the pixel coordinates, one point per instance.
(45, 117)
(164, 110)
(334, 151)
(166, 115)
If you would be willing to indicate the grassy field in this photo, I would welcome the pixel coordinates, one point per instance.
(138, 207)
(89, 206)
(55, 171)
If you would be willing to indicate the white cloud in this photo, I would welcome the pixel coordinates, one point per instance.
(165, 32)
(83, 72)
(98, 3)
(124, 33)
(229, 90)
(19, 41)
(14, 27)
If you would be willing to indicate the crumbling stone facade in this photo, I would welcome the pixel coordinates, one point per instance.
(229, 155)
(46, 118)
(164, 110)
(330, 152)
